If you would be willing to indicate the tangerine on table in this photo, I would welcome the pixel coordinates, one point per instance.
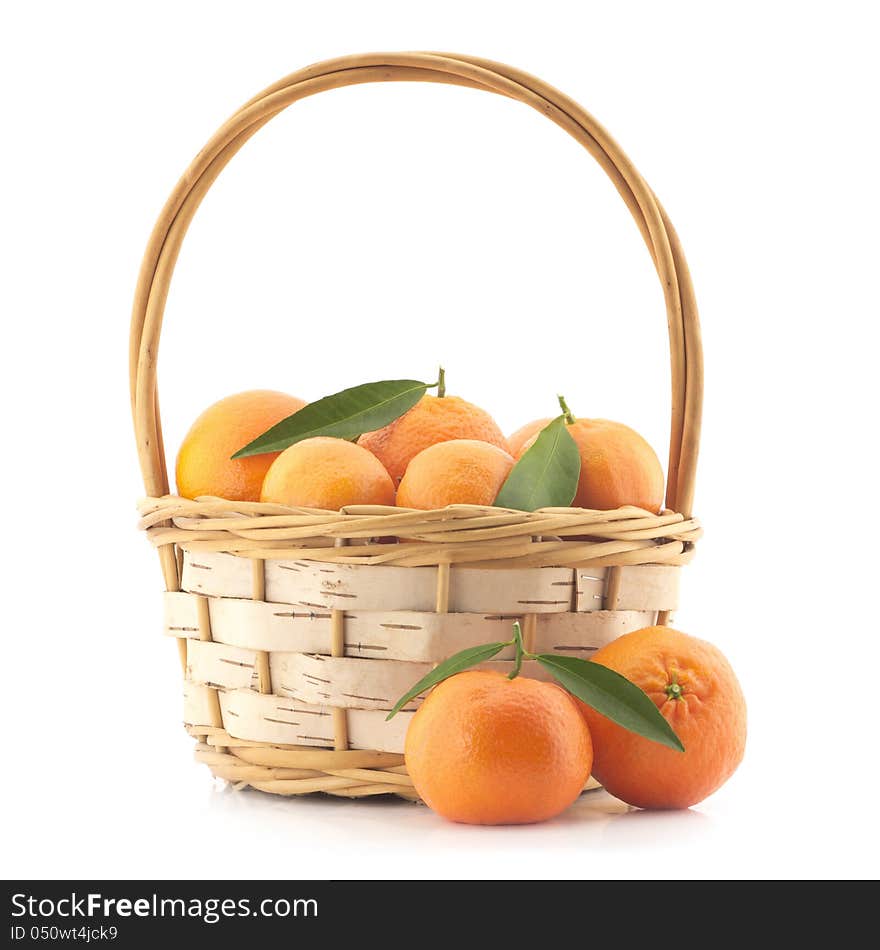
(484, 749)
(618, 467)
(327, 473)
(697, 692)
(459, 472)
(431, 420)
(204, 463)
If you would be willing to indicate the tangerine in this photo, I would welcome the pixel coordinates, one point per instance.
(697, 692)
(204, 464)
(459, 472)
(487, 750)
(431, 420)
(516, 440)
(327, 473)
(618, 467)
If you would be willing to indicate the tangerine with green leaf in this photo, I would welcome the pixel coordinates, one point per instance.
(488, 750)
(546, 474)
(342, 415)
(697, 692)
(432, 419)
(516, 440)
(618, 466)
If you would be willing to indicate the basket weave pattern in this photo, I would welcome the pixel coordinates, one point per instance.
(298, 629)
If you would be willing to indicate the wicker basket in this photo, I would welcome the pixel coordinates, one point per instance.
(298, 629)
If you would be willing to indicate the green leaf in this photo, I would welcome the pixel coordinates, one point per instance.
(455, 664)
(344, 415)
(612, 695)
(547, 474)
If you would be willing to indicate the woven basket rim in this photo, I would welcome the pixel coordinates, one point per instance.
(457, 534)
(359, 512)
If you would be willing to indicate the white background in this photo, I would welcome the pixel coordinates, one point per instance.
(376, 231)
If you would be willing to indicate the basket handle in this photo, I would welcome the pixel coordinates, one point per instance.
(658, 233)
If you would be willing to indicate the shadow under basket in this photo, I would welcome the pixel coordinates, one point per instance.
(299, 629)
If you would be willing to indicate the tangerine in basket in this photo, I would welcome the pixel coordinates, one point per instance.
(618, 467)
(459, 472)
(431, 420)
(698, 693)
(487, 750)
(516, 440)
(204, 463)
(327, 473)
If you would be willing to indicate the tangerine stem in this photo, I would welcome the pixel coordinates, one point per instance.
(441, 383)
(521, 652)
(674, 691)
(518, 643)
(569, 418)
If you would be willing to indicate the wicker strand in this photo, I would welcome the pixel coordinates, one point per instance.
(204, 622)
(444, 572)
(612, 588)
(337, 648)
(258, 593)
